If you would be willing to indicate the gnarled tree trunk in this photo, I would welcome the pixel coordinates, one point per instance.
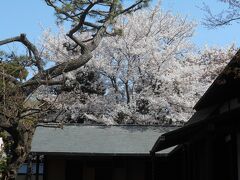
(22, 138)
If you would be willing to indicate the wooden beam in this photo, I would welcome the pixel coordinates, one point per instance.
(37, 168)
(153, 158)
(29, 168)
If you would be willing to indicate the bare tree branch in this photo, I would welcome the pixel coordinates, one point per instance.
(42, 82)
(31, 47)
(82, 19)
(131, 8)
(225, 17)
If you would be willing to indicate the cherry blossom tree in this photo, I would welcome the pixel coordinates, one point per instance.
(151, 73)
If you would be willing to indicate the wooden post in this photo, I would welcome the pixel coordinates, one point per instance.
(209, 152)
(184, 162)
(153, 155)
(37, 168)
(45, 172)
(29, 168)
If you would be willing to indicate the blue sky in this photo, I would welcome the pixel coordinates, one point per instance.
(214, 37)
(25, 16)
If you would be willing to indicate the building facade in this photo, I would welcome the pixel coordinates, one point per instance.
(210, 141)
(97, 152)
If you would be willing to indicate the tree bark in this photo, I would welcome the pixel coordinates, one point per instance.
(127, 92)
(22, 139)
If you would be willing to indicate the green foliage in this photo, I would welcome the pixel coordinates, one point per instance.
(11, 96)
(28, 122)
(71, 10)
(118, 32)
(3, 134)
(14, 69)
(3, 163)
(14, 65)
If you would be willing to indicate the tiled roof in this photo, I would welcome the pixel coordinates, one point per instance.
(97, 140)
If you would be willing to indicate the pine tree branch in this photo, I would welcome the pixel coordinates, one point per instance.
(30, 46)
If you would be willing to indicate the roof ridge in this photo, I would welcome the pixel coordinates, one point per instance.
(104, 125)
